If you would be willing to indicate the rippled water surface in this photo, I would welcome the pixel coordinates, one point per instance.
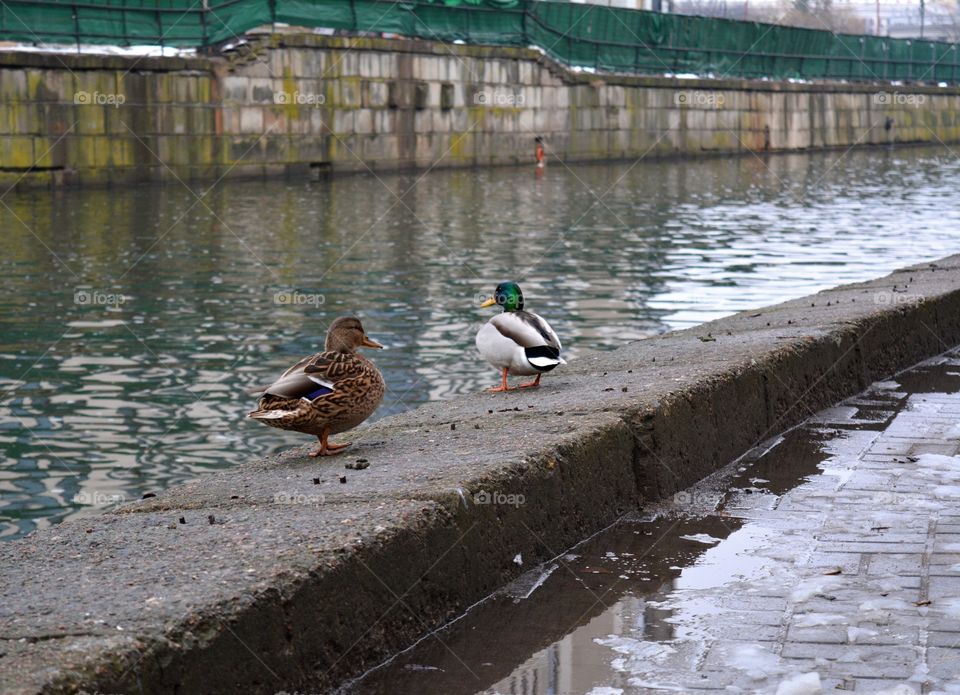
(134, 320)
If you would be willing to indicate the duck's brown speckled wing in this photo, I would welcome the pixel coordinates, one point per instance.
(331, 391)
(318, 376)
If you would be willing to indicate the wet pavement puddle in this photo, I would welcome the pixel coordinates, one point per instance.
(827, 559)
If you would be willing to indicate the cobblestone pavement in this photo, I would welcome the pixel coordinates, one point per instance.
(826, 560)
(847, 581)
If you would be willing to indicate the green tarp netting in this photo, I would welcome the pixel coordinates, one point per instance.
(594, 36)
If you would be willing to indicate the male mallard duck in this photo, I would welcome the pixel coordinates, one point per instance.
(517, 341)
(327, 393)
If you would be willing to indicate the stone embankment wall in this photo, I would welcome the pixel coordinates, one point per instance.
(303, 105)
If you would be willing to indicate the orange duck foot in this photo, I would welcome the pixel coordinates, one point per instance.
(503, 384)
(328, 449)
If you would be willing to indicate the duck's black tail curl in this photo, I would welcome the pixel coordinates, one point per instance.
(543, 358)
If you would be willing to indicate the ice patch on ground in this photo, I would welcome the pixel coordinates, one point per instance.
(948, 689)
(897, 690)
(944, 465)
(524, 585)
(637, 651)
(879, 608)
(605, 690)
(921, 674)
(949, 606)
(804, 684)
(808, 588)
(886, 385)
(850, 657)
(755, 661)
(655, 685)
(701, 538)
(818, 619)
(948, 491)
(855, 633)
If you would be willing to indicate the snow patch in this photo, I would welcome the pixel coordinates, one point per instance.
(755, 661)
(948, 689)
(855, 633)
(879, 608)
(949, 606)
(804, 684)
(705, 538)
(948, 491)
(808, 588)
(941, 463)
(886, 385)
(818, 619)
(655, 685)
(146, 51)
(636, 650)
(897, 690)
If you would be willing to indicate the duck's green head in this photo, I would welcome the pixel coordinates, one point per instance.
(508, 296)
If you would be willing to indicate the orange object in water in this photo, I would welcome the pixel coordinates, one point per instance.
(541, 155)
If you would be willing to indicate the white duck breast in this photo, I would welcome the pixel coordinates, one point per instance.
(521, 342)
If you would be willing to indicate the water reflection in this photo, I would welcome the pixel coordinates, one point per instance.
(102, 399)
(556, 639)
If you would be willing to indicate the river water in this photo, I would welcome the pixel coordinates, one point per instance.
(134, 320)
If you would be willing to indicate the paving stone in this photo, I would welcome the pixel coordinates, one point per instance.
(877, 685)
(849, 563)
(873, 547)
(950, 640)
(896, 563)
(862, 592)
(820, 635)
(945, 587)
(944, 662)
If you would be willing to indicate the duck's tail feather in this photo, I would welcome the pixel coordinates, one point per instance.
(543, 358)
(270, 414)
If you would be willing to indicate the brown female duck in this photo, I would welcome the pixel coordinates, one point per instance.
(327, 393)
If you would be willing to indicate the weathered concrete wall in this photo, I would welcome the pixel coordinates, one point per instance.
(298, 105)
(278, 576)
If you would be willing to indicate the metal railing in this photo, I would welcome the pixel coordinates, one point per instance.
(586, 36)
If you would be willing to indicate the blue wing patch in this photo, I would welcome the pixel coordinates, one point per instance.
(325, 388)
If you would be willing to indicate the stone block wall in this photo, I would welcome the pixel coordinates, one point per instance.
(304, 105)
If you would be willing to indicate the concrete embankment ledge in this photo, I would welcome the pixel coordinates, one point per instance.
(278, 575)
